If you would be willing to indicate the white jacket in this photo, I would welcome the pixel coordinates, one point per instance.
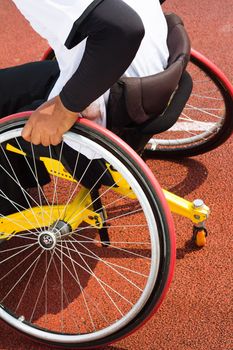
(54, 19)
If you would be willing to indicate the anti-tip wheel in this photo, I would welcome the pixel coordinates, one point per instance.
(199, 236)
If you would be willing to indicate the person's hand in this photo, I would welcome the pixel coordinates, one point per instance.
(48, 123)
(92, 112)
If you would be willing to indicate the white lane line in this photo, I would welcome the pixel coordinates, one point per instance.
(192, 126)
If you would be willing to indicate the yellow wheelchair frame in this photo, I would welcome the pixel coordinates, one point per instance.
(81, 208)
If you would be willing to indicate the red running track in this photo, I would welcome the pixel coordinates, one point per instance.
(197, 312)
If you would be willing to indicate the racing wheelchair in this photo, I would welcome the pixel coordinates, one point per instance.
(88, 255)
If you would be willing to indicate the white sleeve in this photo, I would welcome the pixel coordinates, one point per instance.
(53, 19)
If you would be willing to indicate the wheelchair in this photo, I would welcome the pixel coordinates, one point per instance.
(88, 255)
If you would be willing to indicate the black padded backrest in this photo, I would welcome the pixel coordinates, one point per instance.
(148, 97)
(178, 41)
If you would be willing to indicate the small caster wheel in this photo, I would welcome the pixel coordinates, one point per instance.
(199, 236)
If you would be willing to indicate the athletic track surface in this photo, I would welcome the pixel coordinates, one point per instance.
(197, 313)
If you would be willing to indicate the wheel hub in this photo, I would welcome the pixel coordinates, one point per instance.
(48, 238)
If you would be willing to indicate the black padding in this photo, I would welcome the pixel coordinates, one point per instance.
(146, 98)
(173, 110)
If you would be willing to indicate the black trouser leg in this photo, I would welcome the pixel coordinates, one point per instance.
(23, 87)
(26, 86)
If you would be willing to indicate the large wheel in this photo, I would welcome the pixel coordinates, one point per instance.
(207, 118)
(81, 267)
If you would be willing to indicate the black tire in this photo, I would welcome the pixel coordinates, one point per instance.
(63, 284)
(210, 106)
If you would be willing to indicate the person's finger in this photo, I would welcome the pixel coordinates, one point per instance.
(26, 132)
(35, 137)
(55, 139)
(45, 140)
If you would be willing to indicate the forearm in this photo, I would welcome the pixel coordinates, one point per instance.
(114, 33)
